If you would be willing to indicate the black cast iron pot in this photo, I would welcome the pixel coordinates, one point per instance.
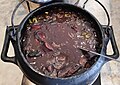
(88, 77)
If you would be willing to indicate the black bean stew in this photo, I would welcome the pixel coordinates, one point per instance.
(52, 40)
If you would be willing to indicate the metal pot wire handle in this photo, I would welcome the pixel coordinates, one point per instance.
(14, 11)
(13, 14)
(77, 2)
(108, 17)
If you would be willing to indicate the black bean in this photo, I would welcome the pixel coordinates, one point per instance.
(63, 73)
(54, 73)
(74, 69)
(35, 53)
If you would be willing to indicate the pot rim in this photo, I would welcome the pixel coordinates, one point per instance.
(40, 8)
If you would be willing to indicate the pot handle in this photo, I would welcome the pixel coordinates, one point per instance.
(111, 37)
(7, 40)
(113, 42)
(108, 17)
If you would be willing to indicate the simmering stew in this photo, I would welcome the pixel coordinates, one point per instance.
(52, 40)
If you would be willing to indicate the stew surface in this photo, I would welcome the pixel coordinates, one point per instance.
(52, 40)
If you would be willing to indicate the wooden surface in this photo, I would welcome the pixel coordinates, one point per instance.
(10, 74)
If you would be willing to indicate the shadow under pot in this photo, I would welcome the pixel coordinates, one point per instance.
(48, 42)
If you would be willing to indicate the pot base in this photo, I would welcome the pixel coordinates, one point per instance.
(26, 81)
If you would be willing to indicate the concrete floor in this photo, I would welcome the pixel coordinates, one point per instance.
(10, 74)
